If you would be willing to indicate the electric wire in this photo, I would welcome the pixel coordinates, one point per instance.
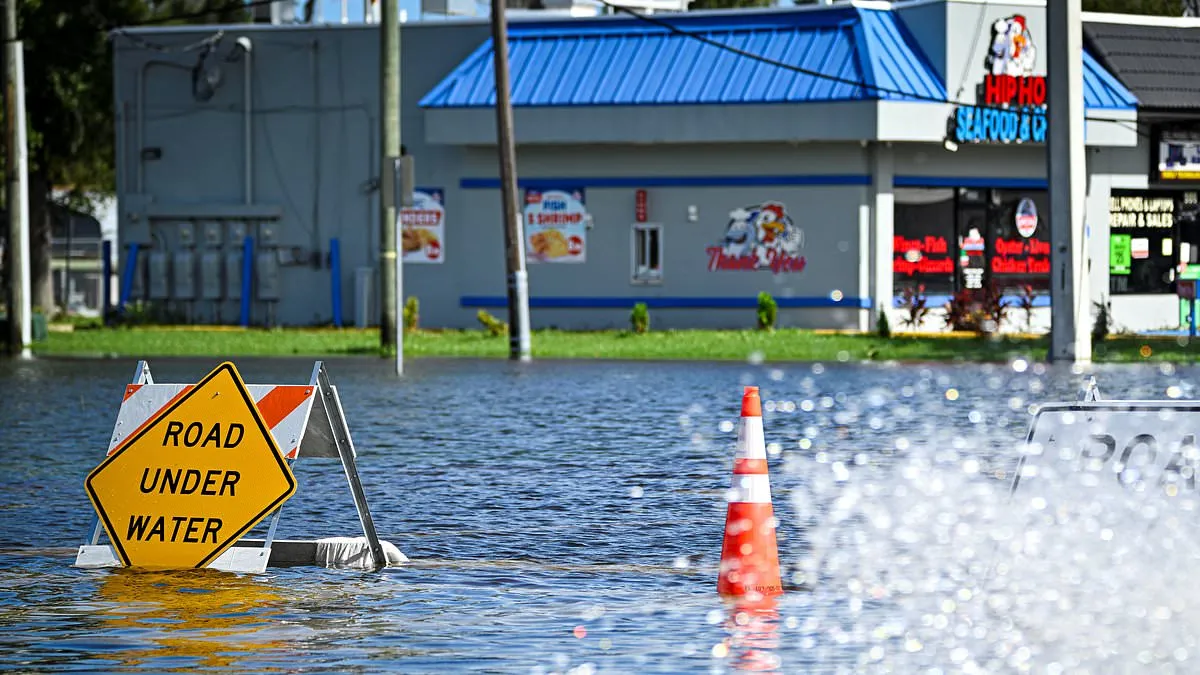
(962, 82)
(675, 30)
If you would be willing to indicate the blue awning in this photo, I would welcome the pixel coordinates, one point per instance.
(839, 54)
(1102, 91)
(844, 53)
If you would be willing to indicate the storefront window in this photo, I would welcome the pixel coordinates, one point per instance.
(1150, 233)
(1020, 240)
(923, 243)
(967, 238)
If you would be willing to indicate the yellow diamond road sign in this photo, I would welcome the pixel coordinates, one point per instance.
(193, 479)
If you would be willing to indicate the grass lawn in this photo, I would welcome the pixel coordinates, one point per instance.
(781, 345)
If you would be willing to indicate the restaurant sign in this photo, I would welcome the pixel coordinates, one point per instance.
(1014, 99)
(759, 237)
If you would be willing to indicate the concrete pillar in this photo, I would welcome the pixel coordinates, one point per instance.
(882, 203)
(1070, 339)
(1096, 229)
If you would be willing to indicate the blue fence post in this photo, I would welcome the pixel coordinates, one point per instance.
(247, 278)
(105, 279)
(127, 277)
(335, 280)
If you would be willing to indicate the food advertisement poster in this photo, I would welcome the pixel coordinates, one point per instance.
(423, 227)
(556, 222)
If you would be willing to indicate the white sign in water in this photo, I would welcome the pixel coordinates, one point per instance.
(1145, 446)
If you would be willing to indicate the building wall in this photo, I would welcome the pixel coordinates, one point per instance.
(688, 176)
(314, 174)
(1121, 168)
(315, 125)
(314, 142)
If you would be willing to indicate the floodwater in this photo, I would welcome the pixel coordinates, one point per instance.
(568, 517)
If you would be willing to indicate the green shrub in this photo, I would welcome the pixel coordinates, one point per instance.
(412, 313)
(767, 312)
(495, 327)
(1102, 325)
(639, 318)
(882, 327)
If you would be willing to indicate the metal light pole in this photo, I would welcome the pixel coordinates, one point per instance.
(1070, 339)
(20, 312)
(403, 184)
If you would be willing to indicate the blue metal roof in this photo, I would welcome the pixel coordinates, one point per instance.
(843, 54)
(1101, 90)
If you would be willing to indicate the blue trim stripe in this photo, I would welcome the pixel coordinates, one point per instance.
(970, 182)
(665, 302)
(671, 181)
(754, 181)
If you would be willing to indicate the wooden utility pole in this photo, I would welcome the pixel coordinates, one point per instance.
(514, 232)
(389, 98)
(17, 194)
(1070, 304)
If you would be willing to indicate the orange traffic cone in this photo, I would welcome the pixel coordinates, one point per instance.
(750, 557)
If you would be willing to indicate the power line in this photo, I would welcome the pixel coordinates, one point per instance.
(826, 76)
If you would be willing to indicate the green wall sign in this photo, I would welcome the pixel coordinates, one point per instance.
(1120, 253)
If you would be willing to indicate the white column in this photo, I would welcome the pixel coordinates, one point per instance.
(1096, 224)
(883, 204)
(866, 261)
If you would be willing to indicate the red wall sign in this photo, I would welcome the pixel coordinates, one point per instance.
(639, 208)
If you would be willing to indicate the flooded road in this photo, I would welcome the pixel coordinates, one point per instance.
(568, 517)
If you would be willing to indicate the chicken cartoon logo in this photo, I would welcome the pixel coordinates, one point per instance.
(762, 236)
(1012, 51)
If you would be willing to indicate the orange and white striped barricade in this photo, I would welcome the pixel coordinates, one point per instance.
(303, 420)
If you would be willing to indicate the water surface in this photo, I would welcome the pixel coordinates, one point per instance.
(568, 516)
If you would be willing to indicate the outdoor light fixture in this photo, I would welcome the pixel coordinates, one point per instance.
(205, 77)
(948, 141)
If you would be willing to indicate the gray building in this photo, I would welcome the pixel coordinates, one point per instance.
(832, 156)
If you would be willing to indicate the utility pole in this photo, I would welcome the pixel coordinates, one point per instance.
(404, 187)
(1070, 339)
(17, 195)
(514, 232)
(389, 98)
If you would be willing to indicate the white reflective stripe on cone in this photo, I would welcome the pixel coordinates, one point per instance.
(751, 443)
(750, 489)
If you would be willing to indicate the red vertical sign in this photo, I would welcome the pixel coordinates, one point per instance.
(639, 208)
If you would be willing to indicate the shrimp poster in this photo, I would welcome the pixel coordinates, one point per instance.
(556, 223)
(423, 227)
